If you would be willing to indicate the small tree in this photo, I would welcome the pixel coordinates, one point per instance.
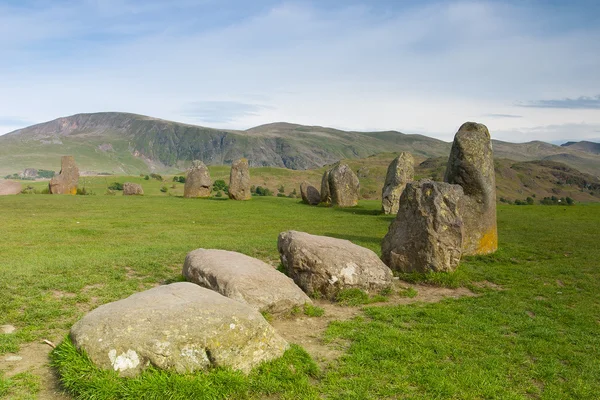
(530, 201)
(570, 201)
(219, 185)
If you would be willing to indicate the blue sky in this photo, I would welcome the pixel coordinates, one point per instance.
(530, 70)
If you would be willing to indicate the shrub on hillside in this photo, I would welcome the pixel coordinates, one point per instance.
(116, 186)
(220, 186)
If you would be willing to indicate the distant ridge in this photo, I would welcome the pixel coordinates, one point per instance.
(125, 143)
(584, 145)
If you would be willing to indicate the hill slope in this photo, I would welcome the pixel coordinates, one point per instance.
(122, 143)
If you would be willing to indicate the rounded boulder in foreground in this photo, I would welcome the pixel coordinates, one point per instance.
(180, 327)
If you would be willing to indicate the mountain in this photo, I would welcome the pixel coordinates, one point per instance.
(123, 143)
(590, 147)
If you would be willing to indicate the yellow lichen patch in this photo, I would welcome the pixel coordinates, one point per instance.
(488, 242)
(73, 190)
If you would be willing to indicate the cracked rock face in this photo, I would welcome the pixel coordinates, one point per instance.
(323, 265)
(66, 182)
(197, 182)
(180, 327)
(427, 234)
(471, 165)
(239, 180)
(400, 171)
(245, 279)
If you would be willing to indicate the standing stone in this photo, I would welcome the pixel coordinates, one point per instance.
(324, 265)
(399, 173)
(197, 182)
(310, 194)
(66, 182)
(9, 187)
(325, 192)
(180, 327)
(344, 186)
(132, 189)
(239, 180)
(244, 279)
(427, 234)
(471, 165)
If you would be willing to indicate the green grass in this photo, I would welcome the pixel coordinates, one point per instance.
(538, 337)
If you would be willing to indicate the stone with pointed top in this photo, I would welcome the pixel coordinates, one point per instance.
(400, 171)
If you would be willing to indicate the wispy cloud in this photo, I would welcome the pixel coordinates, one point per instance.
(580, 103)
(222, 111)
(503, 116)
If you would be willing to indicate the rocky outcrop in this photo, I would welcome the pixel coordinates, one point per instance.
(400, 171)
(197, 181)
(323, 265)
(310, 194)
(471, 165)
(29, 173)
(9, 187)
(180, 327)
(325, 192)
(132, 189)
(427, 234)
(344, 186)
(239, 180)
(244, 279)
(67, 180)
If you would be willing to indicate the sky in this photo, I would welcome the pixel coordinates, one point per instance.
(528, 69)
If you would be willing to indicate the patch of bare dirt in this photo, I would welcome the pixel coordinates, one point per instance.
(59, 294)
(487, 285)
(308, 331)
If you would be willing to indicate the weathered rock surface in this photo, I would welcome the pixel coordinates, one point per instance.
(9, 187)
(400, 171)
(344, 186)
(67, 180)
(132, 189)
(244, 279)
(310, 194)
(239, 180)
(471, 165)
(197, 182)
(29, 173)
(325, 192)
(427, 234)
(325, 265)
(180, 327)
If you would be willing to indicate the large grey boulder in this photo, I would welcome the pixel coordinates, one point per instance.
(344, 186)
(471, 165)
(239, 180)
(400, 171)
(67, 180)
(132, 189)
(427, 234)
(325, 192)
(323, 265)
(245, 279)
(180, 327)
(197, 181)
(9, 187)
(310, 194)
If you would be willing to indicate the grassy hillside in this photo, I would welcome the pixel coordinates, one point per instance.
(531, 332)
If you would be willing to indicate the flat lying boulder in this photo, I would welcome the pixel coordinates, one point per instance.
(67, 180)
(344, 186)
(310, 194)
(132, 189)
(239, 180)
(471, 165)
(244, 279)
(325, 193)
(323, 265)
(197, 182)
(9, 187)
(400, 171)
(427, 233)
(180, 327)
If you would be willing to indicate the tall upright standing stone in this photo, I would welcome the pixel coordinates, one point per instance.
(471, 165)
(239, 180)
(400, 171)
(344, 186)
(325, 193)
(66, 182)
(197, 182)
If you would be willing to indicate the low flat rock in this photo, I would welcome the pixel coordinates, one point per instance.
(9, 187)
(132, 189)
(180, 327)
(245, 279)
(324, 265)
(310, 194)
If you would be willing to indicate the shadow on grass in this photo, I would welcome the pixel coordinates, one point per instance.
(358, 210)
(355, 238)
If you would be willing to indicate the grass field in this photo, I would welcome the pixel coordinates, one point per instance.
(536, 337)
